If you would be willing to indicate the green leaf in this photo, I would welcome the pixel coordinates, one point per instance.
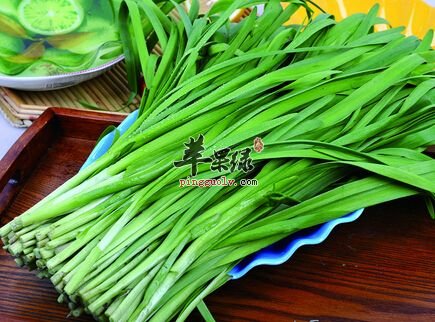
(420, 91)
(371, 89)
(108, 130)
(184, 17)
(31, 54)
(92, 106)
(84, 42)
(194, 9)
(130, 50)
(275, 198)
(205, 312)
(366, 24)
(10, 45)
(150, 10)
(426, 43)
(429, 201)
(12, 28)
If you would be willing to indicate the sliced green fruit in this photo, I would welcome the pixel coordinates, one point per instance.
(50, 17)
(9, 7)
(91, 36)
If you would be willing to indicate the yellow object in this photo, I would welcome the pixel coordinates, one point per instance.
(416, 15)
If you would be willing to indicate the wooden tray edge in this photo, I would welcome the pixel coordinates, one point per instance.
(14, 166)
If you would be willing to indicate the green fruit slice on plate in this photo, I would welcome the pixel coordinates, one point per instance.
(9, 7)
(50, 17)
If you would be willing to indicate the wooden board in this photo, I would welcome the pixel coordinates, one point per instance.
(379, 268)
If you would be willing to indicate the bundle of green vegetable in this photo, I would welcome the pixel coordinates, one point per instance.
(344, 114)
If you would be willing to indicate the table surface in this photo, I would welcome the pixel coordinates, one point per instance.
(8, 135)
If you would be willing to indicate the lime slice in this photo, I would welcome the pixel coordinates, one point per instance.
(9, 7)
(50, 17)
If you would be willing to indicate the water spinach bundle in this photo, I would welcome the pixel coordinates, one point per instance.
(326, 118)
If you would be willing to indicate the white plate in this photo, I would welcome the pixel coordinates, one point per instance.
(47, 83)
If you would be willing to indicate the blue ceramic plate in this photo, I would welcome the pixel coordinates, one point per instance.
(281, 251)
(275, 254)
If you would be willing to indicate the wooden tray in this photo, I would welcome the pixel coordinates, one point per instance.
(379, 268)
